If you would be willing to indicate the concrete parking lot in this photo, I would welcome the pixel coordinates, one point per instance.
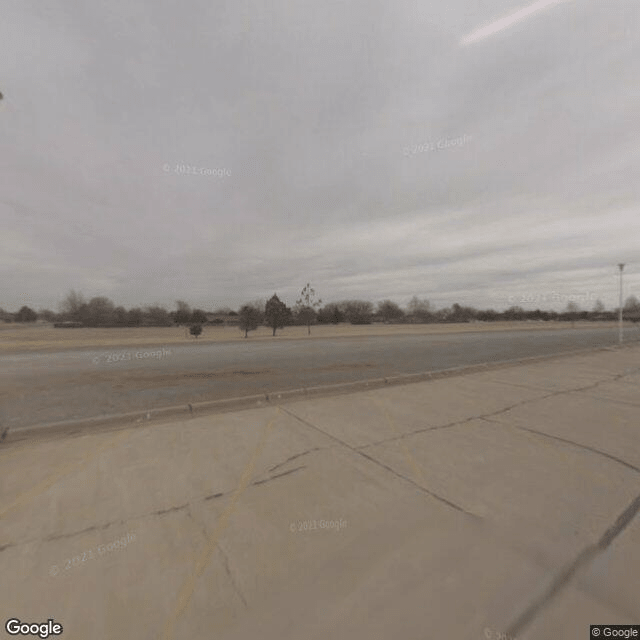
(496, 504)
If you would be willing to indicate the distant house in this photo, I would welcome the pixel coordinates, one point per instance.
(222, 319)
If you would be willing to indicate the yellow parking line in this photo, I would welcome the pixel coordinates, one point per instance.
(41, 487)
(189, 585)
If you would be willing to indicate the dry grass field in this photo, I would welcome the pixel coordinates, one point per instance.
(17, 338)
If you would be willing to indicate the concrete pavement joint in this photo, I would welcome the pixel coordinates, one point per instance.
(552, 443)
(627, 403)
(160, 512)
(189, 585)
(280, 475)
(60, 536)
(616, 377)
(380, 464)
(410, 459)
(457, 422)
(171, 509)
(214, 495)
(232, 580)
(582, 446)
(423, 489)
(203, 529)
(581, 561)
(524, 402)
(358, 450)
(298, 455)
(412, 433)
(554, 393)
(487, 417)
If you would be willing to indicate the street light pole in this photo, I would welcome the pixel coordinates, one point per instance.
(621, 267)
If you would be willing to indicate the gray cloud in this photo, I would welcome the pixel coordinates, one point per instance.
(310, 107)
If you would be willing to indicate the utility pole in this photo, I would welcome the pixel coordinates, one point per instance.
(621, 267)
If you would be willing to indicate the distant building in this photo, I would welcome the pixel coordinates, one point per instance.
(222, 319)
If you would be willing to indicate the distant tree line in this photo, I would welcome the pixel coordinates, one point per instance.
(102, 312)
(274, 313)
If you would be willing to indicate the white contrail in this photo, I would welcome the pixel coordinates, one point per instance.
(506, 22)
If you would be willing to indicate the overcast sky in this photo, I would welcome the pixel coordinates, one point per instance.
(375, 149)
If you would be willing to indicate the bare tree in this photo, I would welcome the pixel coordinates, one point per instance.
(389, 311)
(99, 312)
(631, 305)
(420, 309)
(183, 313)
(306, 306)
(331, 313)
(120, 316)
(156, 316)
(47, 314)
(70, 306)
(198, 316)
(135, 317)
(573, 309)
(358, 311)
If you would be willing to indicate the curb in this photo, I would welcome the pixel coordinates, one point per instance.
(274, 398)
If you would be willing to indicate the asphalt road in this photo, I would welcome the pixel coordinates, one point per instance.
(42, 388)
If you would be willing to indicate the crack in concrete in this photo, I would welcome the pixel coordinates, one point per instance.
(582, 560)
(419, 486)
(520, 386)
(416, 432)
(159, 512)
(580, 446)
(524, 402)
(380, 464)
(198, 524)
(627, 403)
(456, 423)
(487, 416)
(205, 535)
(279, 475)
(70, 535)
(234, 584)
(298, 455)
(358, 450)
